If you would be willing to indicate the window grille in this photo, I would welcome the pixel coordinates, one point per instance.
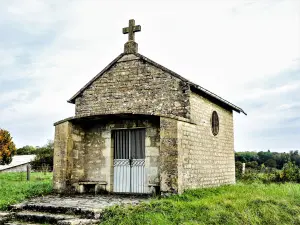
(215, 123)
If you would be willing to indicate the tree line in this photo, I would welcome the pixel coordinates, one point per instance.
(268, 159)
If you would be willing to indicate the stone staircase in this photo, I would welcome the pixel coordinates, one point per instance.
(36, 214)
(64, 210)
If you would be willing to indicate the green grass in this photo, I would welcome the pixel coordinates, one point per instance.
(236, 204)
(14, 188)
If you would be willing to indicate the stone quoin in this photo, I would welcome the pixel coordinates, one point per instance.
(142, 128)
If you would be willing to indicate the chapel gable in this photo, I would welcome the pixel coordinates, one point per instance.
(133, 86)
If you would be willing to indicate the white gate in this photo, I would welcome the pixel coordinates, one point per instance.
(129, 161)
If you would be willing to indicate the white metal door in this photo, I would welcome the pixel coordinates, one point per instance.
(129, 161)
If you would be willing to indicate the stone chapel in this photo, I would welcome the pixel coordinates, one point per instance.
(141, 128)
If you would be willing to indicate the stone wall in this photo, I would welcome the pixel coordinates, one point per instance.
(77, 154)
(204, 159)
(168, 155)
(136, 87)
(62, 146)
(90, 154)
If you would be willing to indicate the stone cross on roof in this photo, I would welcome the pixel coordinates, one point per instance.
(131, 46)
(131, 29)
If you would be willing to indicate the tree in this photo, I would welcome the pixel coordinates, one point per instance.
(264, 156)
(252, 165)
(245, 157)
(7, 147)
(271, 163)
(290, 173)
(268, 158)
(44, 156)
(26, 150)
(295, 157)
(281, 159)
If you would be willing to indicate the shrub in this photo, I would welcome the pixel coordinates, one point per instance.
(250, 176)
(252, 165)
(238, 169)
(271, 163)
(289, 173)
(44, 157)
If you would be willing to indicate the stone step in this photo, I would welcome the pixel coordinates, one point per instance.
(42, 217)
(78, 222)
(84, 213)
(22, 223)
(60, 222)
(4, 216)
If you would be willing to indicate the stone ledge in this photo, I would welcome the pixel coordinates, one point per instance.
(92, 182)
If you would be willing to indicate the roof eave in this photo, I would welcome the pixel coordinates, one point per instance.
(239, 110)
(218, 98)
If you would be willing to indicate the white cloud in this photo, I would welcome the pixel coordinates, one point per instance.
(225, 46)
(257, 93)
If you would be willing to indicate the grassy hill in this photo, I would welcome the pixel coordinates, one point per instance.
(236, 204)
(14, 187)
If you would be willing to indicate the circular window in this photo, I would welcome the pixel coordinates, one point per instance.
(215, 123)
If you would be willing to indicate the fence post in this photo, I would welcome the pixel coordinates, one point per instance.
(45, 168)
(28, 171)
(243, 168)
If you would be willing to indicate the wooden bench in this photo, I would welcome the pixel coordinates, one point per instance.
(94, 184)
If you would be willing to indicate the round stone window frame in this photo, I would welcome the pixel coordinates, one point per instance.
(215, 123)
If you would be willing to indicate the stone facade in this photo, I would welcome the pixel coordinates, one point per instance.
(204, 159)
(136, 87)
(88, 153)
(62, 147)
(169, 155)
(181, 151)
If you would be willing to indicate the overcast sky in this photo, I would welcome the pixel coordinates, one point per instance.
(248, 52)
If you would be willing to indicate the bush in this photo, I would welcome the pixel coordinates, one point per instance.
(238, 169)
(251, 176)
(252, 165)
(44, 157)
(271, 163)
(289, 173)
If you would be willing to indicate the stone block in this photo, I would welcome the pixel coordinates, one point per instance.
(152, 151)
